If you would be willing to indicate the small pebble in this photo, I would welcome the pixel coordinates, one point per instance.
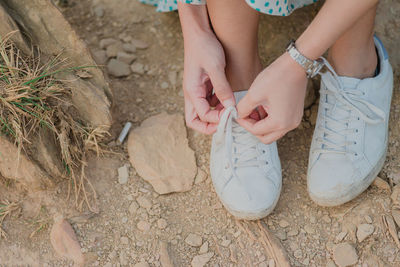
(193, 240)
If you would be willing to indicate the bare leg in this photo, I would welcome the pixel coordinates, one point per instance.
(353, 54)
(236, 26)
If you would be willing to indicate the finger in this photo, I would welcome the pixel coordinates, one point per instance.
(246, 106)
(222, 88)
(272, 137)
(202, 107)
(261, 127)
(203, 127)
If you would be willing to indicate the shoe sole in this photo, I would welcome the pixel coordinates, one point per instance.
(357, 190)
(251, 216)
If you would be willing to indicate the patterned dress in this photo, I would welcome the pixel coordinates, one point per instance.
(270, 7)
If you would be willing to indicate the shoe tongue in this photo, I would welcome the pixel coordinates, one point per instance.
(349, 82)
(239, 95)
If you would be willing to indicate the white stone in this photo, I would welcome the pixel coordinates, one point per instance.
(201, 260)
(194, 240)
(344, 254)
(123, 174)
(364, 231)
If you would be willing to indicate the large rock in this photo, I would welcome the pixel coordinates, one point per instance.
(15, 165)
(344, 254)
(160, 153)
(44, 26)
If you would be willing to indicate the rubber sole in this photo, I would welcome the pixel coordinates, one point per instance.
(356, 190)
(251, 216)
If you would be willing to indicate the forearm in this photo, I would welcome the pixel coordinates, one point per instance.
(194, 20)
(333, 20)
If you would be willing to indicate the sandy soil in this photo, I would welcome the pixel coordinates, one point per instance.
(112, 238)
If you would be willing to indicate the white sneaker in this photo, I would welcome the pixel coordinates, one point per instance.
(245, 172)
(351, 135)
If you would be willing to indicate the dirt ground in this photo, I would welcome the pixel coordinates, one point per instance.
(112, 237)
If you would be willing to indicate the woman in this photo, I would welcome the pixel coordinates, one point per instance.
(222, 61)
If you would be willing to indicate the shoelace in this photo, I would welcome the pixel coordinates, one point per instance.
(334, 130)
(240, 145)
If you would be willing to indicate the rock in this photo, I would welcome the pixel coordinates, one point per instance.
(100, 57)
(340, 236)
(193, 240)
(165, 255)
(281, 234)
(164, 85)
(344, 254)
(123, 174)
(368, 219)
(309, 229)
(113, 49)
(201, 260)
(98, 11)
(381, 184)
(283, 223)
(395, 176)
(200, 177)
(395, 196)
(298, 254)
(139, 44)
(118, 68)
(363, 231)
(137, 68)
(130, 48)
(326, 219)
(271, 263)
(226, 243)
(124, 240)
(15, 165)
(123, 259)
(65, 243)
(133, 207)
(104, 43)
(162, 223)
(125, 57)
(330, 263)
(144, 202)
(204, 248)
(160, 153)
(141, 264)
(293, 232)
(143, 226)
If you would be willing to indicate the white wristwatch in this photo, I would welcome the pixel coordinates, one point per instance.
(312, 67)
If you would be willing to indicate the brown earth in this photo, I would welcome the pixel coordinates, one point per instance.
(113, 237)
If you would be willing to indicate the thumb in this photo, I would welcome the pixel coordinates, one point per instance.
(246, 106)
(222, 88)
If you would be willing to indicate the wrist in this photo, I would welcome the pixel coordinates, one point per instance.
(292, 67)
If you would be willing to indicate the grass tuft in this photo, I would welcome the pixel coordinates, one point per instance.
(31, 98)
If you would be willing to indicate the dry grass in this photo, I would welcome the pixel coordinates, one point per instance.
(32, 98)
(6, 208)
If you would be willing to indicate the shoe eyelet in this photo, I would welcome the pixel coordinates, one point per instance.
(356, 130)
(263, 151)
(266, 162)
(355, 142)
(355, 154)
(358, 118)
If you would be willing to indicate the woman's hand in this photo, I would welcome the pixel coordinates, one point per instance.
(204, 71)
(280, 90)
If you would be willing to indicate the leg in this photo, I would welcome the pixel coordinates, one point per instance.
(236, 26)
(354, 55)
